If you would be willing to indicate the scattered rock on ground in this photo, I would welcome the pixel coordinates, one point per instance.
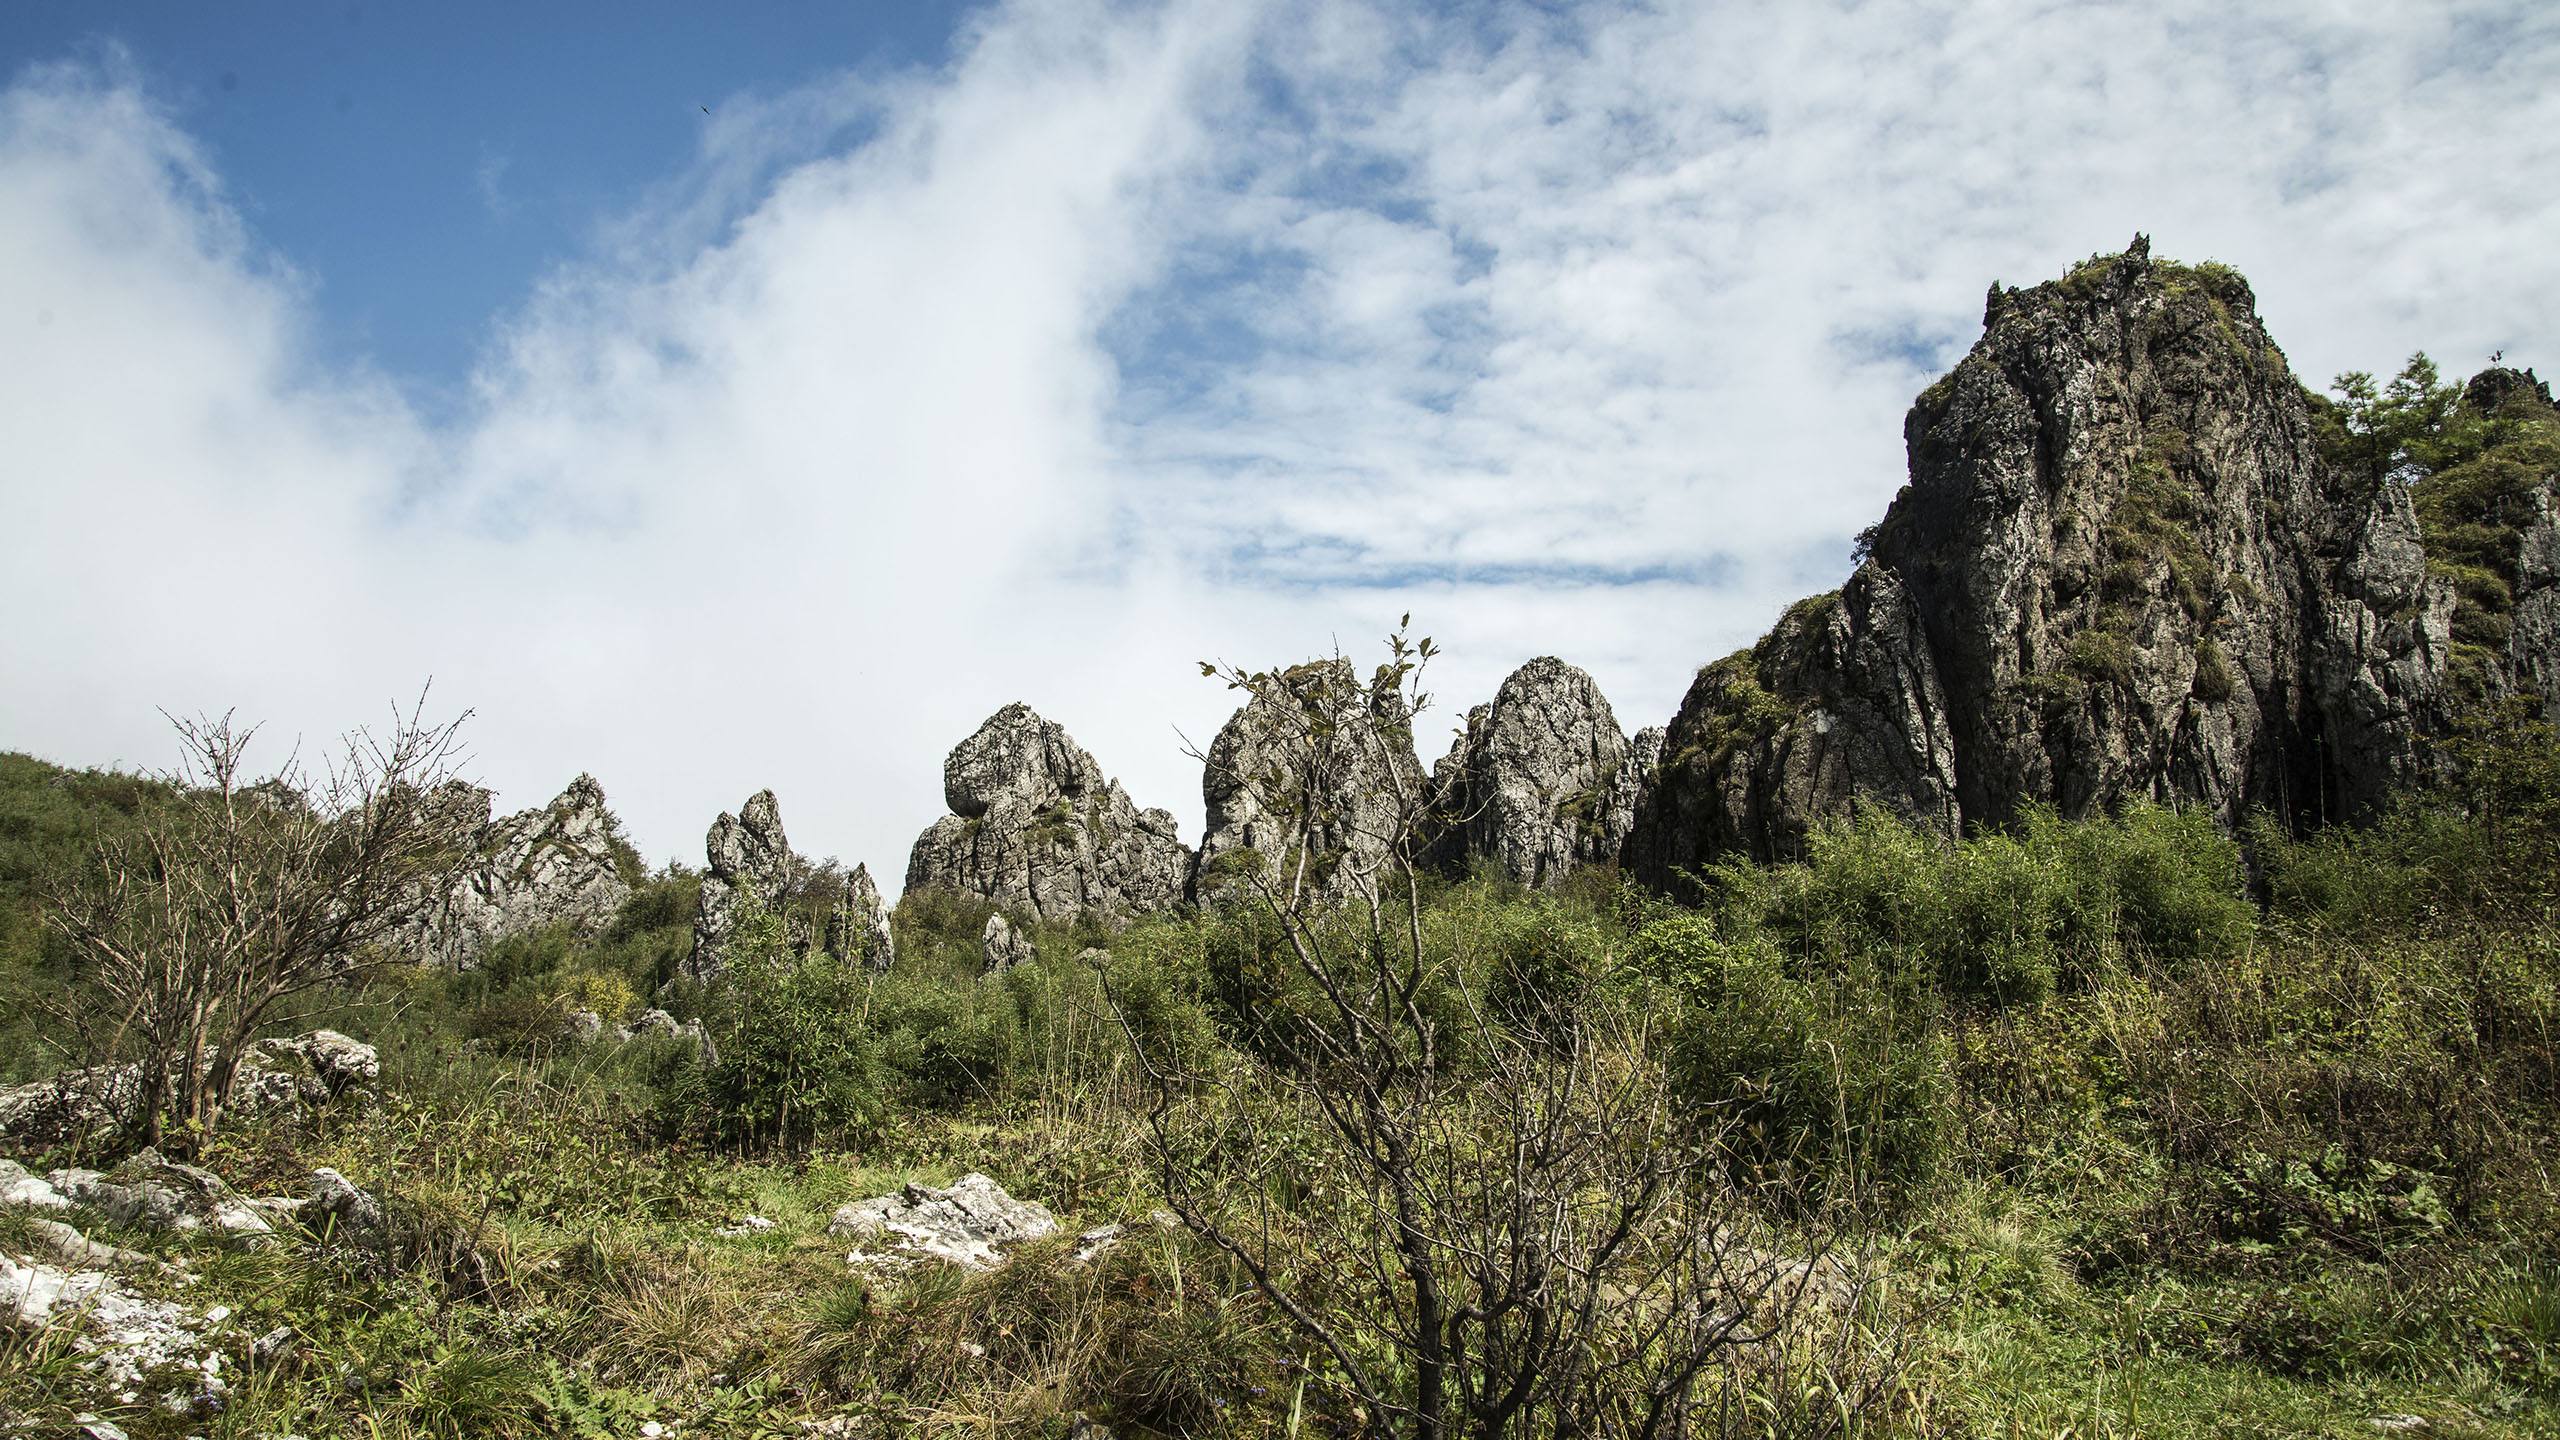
(970, 1225)
(125, 1337)
(338, 1208)
(305, 1071)
(152, 1192)
(21, 1188)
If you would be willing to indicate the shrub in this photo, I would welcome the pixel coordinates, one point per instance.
(792, 1060)
(1830, 1086)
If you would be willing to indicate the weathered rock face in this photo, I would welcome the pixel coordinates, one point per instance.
(858, 926)
(534, 869)
(1036, 827)
(1004, 946)
(2120, 570)
(751, 869)
(1542, 782)
(2492, 524)
(1840, 703)
(1316, 754)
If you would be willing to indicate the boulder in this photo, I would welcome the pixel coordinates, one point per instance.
(2121, 570)
(533, 869)
(1315, 766)
(1036, 827)
(970, 1225)
(151, 1192)
(1005, 947)
(1541, 782)
(20, 1189)
(301, 1072)
(336, 1208)
(332, 1063)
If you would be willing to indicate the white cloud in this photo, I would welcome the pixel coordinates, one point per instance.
(1139, 336)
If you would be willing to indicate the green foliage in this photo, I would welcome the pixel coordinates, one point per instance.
(791, 1059)
(1835, 1088)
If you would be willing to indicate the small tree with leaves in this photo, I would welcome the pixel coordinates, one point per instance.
(232, 895)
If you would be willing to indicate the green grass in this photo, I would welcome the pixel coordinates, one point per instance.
(2146, 1134)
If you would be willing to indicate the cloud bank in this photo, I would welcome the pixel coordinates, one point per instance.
(1134, 336)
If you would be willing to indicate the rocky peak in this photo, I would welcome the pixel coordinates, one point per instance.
(536, 868)
(1036, 827)
(1313, 754)
(751, 870)
(2120, 569)
(1017, 756)
(749, 847)
(1539, 782)
(2489, 390)
(858, 926)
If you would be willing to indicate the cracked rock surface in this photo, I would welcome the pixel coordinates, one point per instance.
(1037, 828)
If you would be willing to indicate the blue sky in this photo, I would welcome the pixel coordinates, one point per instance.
(423, 164)
(1037, 349)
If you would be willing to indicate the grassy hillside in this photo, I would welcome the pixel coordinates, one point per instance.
(2130, 1130)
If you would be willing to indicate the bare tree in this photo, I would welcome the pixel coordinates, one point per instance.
(1486, 1228)
(231, 896)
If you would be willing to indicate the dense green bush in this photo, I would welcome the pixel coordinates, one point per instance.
(1822, 1083)
(790, 1058)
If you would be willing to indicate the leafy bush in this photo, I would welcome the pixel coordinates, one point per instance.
(1827, 1084)
(791, 1059)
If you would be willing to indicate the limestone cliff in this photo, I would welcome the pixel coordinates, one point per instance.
(2121, 569)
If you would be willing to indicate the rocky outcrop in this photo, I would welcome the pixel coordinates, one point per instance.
(149, 1192)
(858, 926)
(303, 1072)
(2492, 525)
(538, 868)
(971, 1225)
(750, 870)
(1316, 767)
(2121, 569)
(1004, 946)
(1035, 827)
(1541, 782)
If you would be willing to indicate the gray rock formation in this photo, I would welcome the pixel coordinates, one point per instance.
(2121, 569)
(1542, 782)
(533, 869)
(970, 1225)
(149, 1192)
(858, 926)
(2494, 528)
(1004, 946)
(1316, 763)
(337, 1209)
(303, 1072)
(751, 871)
(1036, 827)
